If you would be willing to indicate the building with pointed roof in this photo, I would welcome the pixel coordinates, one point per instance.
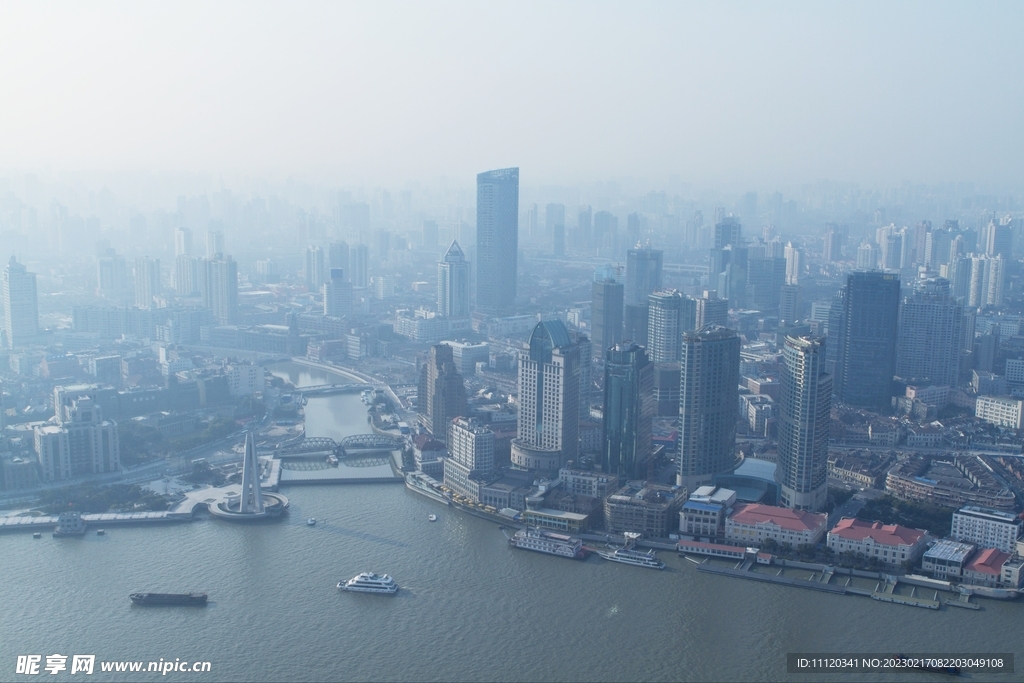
(453, 283)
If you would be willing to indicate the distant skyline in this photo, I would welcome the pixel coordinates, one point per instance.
(735, 95)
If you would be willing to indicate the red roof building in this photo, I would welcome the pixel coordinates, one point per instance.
(890, 544)
(985, 568)
(752, 524)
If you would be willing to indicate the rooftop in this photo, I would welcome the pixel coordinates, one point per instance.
(950, 550)
(988, 561)
(793, 520)
(885, 534)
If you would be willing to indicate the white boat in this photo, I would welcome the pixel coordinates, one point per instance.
(542, 541)
(432, 518)
(311, 521)
(368, 582)
(628, 554)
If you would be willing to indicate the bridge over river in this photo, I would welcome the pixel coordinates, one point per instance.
(322, 445)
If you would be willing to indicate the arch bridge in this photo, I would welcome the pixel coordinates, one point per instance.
(313, 444)
(371, 442)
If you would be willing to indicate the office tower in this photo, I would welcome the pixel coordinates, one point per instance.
(803, 422)
(453, 283)
(1000, 240)
(866, 360)
(643, 274)
(626, 443)
(187, 279)
(214, 244)
(441, 393)
(219, 288)
(337, 254)
(381, 246)
(547, 431)
(533, 222)
(111, 274)
(558, 241)
(337, 293)
(21, 305)
(314, 268)
(835, 237)
(728, 274)
(585, 224)
(586, 351)
(866, 256)
(774, 248)
(470, 456)
(929, 342)
(794, 263)
(711, 310)
(958, 272)
(835, 332)
(936, 247)
(430, 235)
(606, 229)
(892, 251)
(765, 278)
(669, 314)
(606, 316)
(789, 303)
(182, 242)
(80, 442)
(359, 266)
(147, 281)
(727, 231)
(497, 240)
(709, 377)
(554, 215)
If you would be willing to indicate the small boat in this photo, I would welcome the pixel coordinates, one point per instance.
(311, 521)
(37, 535)
(101, 532)
(432, 518)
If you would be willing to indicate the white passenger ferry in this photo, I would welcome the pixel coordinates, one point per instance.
(628, 554)
(547, 542)
(368, 582)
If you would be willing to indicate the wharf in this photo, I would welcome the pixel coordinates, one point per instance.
(42, 522)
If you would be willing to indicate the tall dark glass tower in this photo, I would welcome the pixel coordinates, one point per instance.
(497, 240)
(628, 411)
(606, 316)
(866, 359)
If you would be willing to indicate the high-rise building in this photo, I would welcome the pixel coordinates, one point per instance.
(765, 278)
(711, 310)
(187, 280)
(727, 231)
(497, 240)
(628, 411)
(147, 281)
(80, 443)
(182, 242)
(606, 316)
(547, 433)
(709, 380)
(337, 293)
(314, 268)
(803, 422)
(554, 215)
(929, 343)
(669, 315)
(866, 359)
(111, 275)
(866, 256)
(835, 237)
(337, 254)
(470, 460)
(441, 395)
(430, 235)
(789, 303)
(219, 288)
(453, 283)
(794, 263)
(999, 240)
(359, 266)
(214, 244)
(643, 274)
(21, 305)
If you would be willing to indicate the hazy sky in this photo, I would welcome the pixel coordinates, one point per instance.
(757, 94)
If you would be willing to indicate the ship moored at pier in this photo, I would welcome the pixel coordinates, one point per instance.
(549, 542)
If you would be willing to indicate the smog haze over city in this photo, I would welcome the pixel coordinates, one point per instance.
(317, 316)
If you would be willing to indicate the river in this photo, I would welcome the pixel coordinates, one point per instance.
(470, 608)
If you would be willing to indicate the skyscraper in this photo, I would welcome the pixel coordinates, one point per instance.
(441, 395)
(804, 407)
(711, 310)
(866, 360)
(708, 404)
(182, 242)
(337, 293)
(21, 305)
(219, 288)
(147, 281)
(453, 283)
(928, 350)
(765, 278)
(497, 240)
(314, 268)
(643, 274)
(359, 265)
(470, 458)
(547, 433)
(628, 411)
(214, 244)
(337, 253)
(606, 316)
(187, 280)
(669, 315)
